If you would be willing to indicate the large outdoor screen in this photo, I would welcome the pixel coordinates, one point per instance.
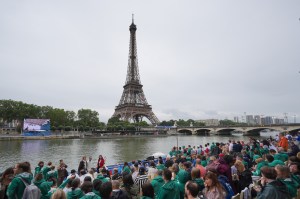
(36, 125)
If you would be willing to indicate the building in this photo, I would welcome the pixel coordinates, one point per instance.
(236, 119)
(269, 120)
(250, 120)
(257, 120)
(210, 122)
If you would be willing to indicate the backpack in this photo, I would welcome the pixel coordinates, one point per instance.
(31, 191)
(223, 180)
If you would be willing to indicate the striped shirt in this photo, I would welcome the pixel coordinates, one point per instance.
(140, 180)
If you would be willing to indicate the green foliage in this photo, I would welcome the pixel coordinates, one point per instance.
(227, 122)
(60, 119)
(181, 122)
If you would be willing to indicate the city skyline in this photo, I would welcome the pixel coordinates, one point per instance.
(198, 60)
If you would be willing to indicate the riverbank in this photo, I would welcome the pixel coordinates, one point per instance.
(54, 137)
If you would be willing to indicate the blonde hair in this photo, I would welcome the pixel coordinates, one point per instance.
(239, 166)
(59, 194)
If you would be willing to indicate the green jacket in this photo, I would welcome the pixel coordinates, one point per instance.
(157, 183)
(51, 174)
(126, 169)
(183, 177)
(145, 197)
(200, 183)
(281, 156)
(45, 171)
(275, 162)
(291, 186)
(160, 167)
(62, 186)
(75, 194)
(37, 170)
(204, 163)
(274, 190)
(45, 187)
(169, 191)
(96, 192)
(16, 187)
(90, 195)
(102, 178)
(258, 167)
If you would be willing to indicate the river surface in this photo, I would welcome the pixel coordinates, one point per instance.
(115, 150)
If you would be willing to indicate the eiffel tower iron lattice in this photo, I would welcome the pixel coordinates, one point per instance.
(133, 104)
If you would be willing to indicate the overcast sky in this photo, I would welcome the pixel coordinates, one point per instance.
(197, 59)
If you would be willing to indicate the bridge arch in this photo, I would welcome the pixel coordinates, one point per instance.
(185, 131)
(202, 131)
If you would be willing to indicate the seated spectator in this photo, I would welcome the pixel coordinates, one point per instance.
(283, 174)
(271, 188)
(272, 162)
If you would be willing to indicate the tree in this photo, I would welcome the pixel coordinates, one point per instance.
(88, 118)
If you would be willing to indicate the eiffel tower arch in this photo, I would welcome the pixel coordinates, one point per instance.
(133, 105)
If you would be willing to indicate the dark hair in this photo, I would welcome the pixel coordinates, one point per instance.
(82, 172)
(53, 180)
(228, 159)
(105, 190)
(269, 172)
(38, 177)
(127, 180)
(25, 166)
(75, 183)
(293, 159)
(160, 161)
(40, 162)
(8, 171)
(87, 187)
(167, 174)
(87, 179)
(272, 151)
(193, 188)
(195, 173)
(148, 190)
(152, 164)
(269, 157)
(96, 184)
(142, 171)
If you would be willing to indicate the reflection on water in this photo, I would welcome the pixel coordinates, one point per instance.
(115, 150)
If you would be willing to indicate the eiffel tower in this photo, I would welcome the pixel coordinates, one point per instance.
(133, 105)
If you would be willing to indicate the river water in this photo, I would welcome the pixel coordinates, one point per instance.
(115, 150)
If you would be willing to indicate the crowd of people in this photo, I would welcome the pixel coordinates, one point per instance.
(264, 169)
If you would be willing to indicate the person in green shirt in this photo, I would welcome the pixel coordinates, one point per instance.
(87, 188)
(157, 182)
(39, 168)
(272, 162)
(196, 178)
(76, 191)
(160, 165)
(96, 186)
(170, 189)
(16, 188)
(283, 174)
(126, 168)
(260, 163)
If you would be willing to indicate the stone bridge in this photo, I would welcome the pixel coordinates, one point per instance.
(227, 130)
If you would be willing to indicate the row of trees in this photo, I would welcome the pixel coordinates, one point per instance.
(84, 119)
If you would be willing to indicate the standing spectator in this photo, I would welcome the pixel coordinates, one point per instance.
(283, 142)
(170, 189)
(83, 164)
(17, 186)
(87, 188)
(117, 193)
(131, 190)
(147, 191)
(191, 190)
(213, 188)
(100, 163)
(6, 178)
(105, 190)
(141, 178)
